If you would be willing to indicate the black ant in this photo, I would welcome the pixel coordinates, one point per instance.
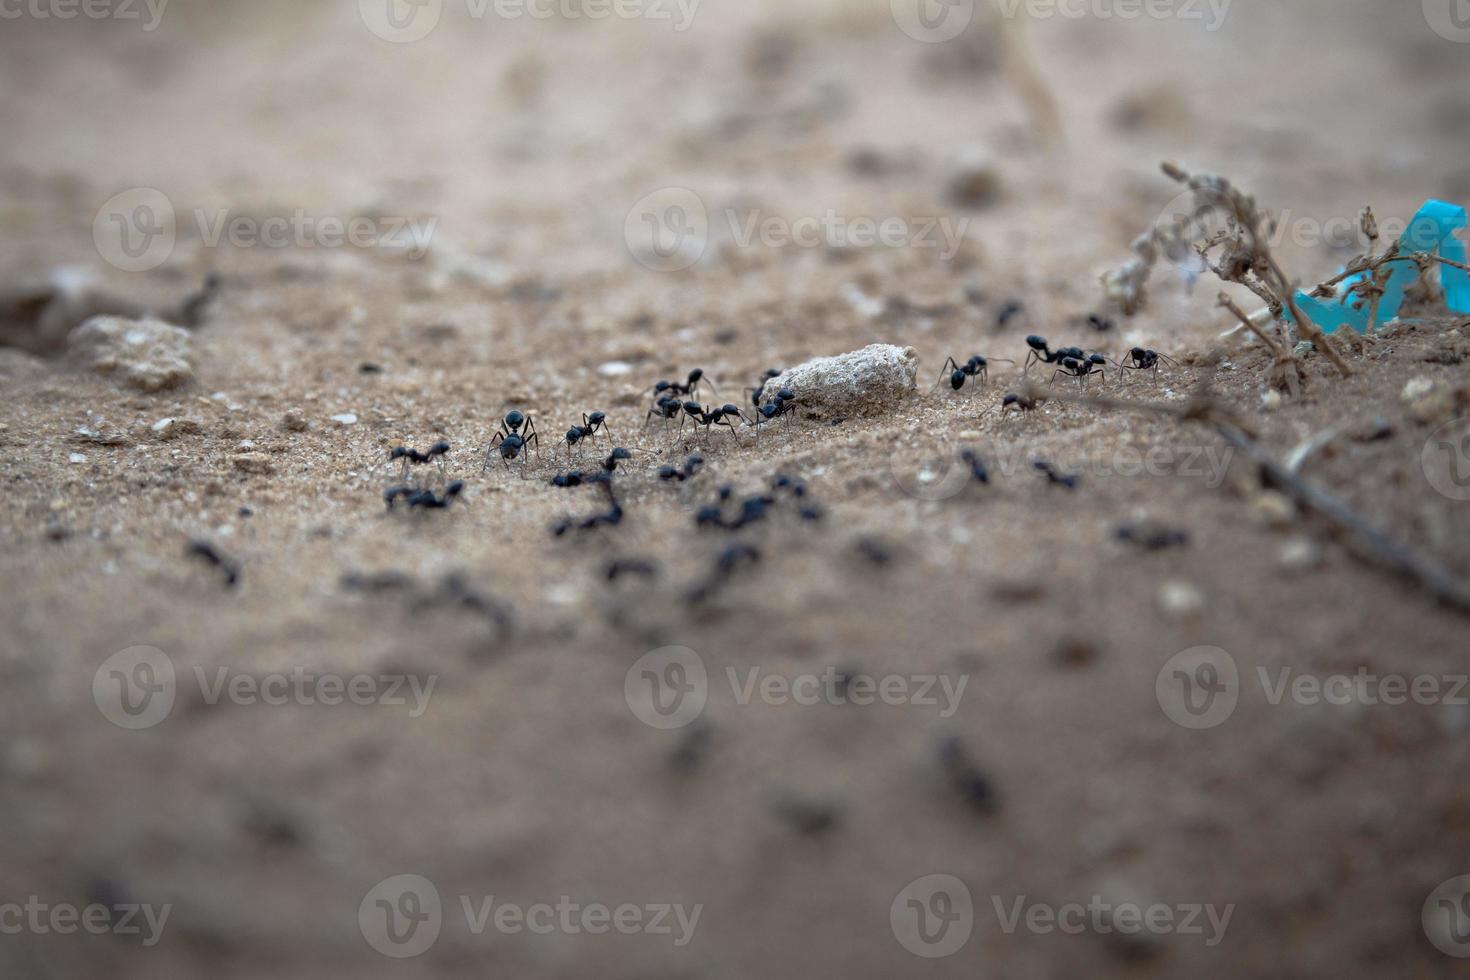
(977, 466)
(591, 424)
(667, 408)
(782, 404)
(1020, 403)
(712, 417)
(410, 456)
(424, 499)
(1055, 477)
(1041, 353)
(1009, 312)
(760, 385)
(199, 548)
(612, 517)
(1082, 368)
(509, 440)
(687, 388)
(691, 466)
(1101, 324)
(976, 367)
(640, 567)
(1146, 360)
(726, 564)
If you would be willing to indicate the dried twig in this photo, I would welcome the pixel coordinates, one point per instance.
(1371, 543)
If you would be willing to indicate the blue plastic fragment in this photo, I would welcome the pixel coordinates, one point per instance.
(1433, 231)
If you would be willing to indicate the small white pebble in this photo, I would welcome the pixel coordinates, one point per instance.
(1300, 555)
(1271, 400)
(614, 369)
(162, 424)
(1417, 388)
(346, 418)
(1179, 600)
(78, 458)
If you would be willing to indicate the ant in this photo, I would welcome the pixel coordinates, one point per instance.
(424, 499)
(1041, 353)
(199, 548)
(977, 466)
(666, 408)
(976, 367)
(782, 404)
(1082, 368)
(509, 440)
(1056, 478)
(1009, 312)
(686, 389)
(712, 417)
(1145, 360)
(760, 385)
(691, 466)
(1020, 403)
(612, 517)
(726, 564)
(591, 424)
(436, 454)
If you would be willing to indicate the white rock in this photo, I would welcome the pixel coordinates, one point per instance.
(1180, 600)
(147, 354)
(865, 381)
(346, 418)
(614, 369)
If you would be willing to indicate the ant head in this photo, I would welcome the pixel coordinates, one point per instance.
(695, 460)
(1098, 359)
(695, 375)
(439, 448)
(730, 410)
(620, 453)
(968, 455)
(957, 379)
(514, 421)
(772, 373)
(768, 411)
(1138, 352)
(454, 489)
(785, 395)
(667, 472)
(597, 418)
(398, 453)
(663, 386)
(1010, 400)
(1036, 343)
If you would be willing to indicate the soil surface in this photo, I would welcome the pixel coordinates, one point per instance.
(1055, 775)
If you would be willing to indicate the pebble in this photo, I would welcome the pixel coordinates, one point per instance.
(147, 354)
(1180, 600)
(864, 381)
(346, 418)
(1300, 555)
(1272, 509)
(614, 369)
(294, 421)
(172, 428)
(253, 462)
(78, 458)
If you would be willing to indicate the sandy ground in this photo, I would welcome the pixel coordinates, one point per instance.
(796, 829)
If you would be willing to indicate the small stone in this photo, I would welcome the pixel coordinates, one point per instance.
(346, 418)
(147, 354)
(77, 458)
(975, 181)
(294, 421)
(1271, 400)
(171, 428)
(1075, 651)
(1300, 555)
(614, 369)
(866, 381)
(253, 462)
(1272, 509)
(1180, 600)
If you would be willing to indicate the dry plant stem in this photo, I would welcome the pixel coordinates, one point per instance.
(1370, 542)
(1028, 81)
(1314, 333)
(1250, 324)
